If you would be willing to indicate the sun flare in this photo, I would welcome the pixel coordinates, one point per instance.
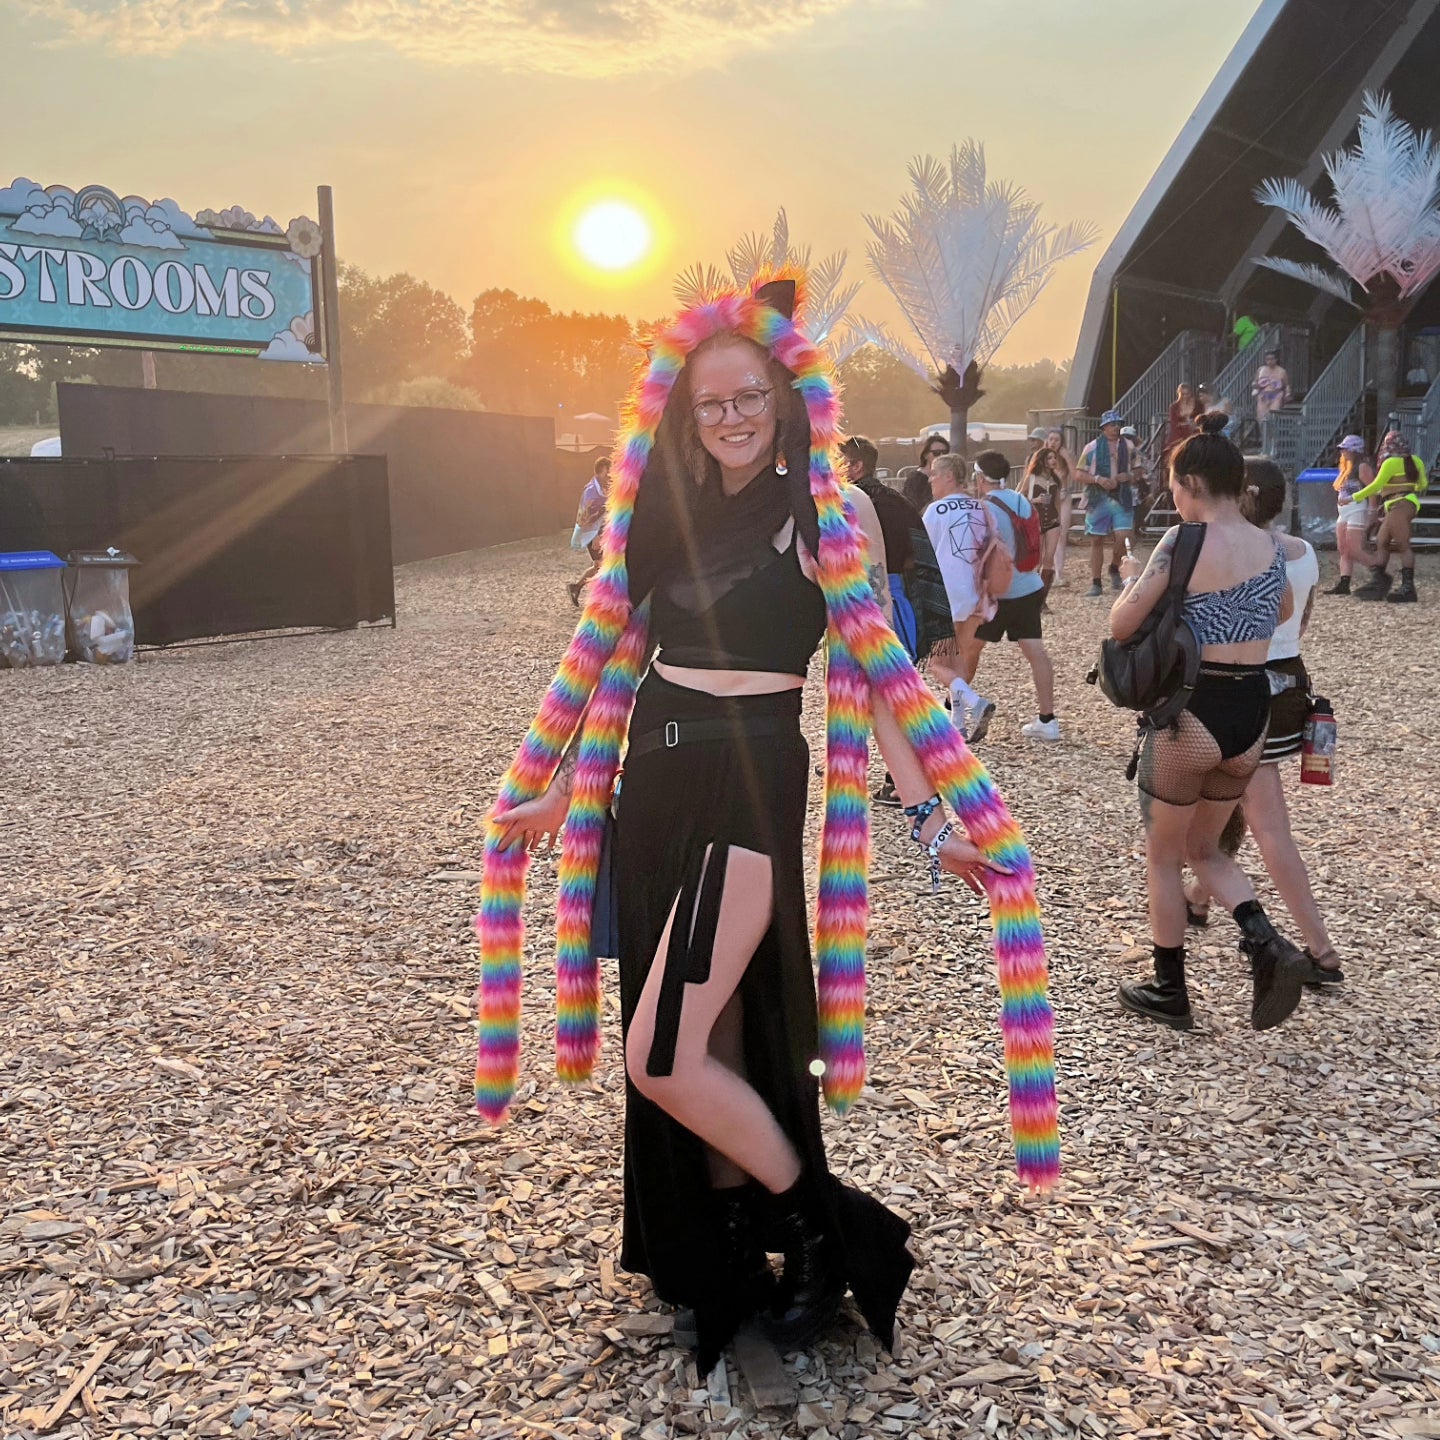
(613, 235)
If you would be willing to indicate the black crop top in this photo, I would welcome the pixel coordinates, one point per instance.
(756, 611)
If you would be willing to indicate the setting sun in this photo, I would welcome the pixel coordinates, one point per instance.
(613, 235)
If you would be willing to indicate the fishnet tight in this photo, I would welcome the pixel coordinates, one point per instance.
(1182, 764)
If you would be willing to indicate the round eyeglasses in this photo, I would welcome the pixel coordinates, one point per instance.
(747, 405)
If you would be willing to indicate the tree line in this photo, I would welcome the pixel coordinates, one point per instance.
(405, 342)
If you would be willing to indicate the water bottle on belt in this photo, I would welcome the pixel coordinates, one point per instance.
(1317, 751)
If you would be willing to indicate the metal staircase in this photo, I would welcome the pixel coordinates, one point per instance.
(1299, 436)
(1187, 360)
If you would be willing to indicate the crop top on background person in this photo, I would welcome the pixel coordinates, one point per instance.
(757, 612)
(1392, 472)
(1303, 575)
(1240, 613)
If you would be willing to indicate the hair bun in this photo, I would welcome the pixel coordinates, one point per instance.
(1214, 423)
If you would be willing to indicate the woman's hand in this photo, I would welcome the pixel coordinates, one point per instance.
(1131, 567)
(535, 823)
(960, 857)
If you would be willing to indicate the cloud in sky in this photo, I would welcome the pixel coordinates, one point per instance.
(561, 37)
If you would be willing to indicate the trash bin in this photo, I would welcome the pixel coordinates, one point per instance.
(32, 609)
(1318, 506)
(99, 624)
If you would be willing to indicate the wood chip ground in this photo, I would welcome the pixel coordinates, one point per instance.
(244, 1193)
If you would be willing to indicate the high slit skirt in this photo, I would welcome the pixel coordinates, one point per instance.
(681, 808)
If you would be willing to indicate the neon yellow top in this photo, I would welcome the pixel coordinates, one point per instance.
(1391, 477)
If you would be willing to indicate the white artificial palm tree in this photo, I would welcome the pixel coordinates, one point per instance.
(965, 257)
(1382, 228)
(825, 316)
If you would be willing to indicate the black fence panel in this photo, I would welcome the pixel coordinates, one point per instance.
(226, 545)
(459, 479)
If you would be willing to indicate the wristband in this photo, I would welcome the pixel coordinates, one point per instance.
(920, 814)
(932, 850)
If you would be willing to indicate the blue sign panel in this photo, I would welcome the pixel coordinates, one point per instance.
(89, 267)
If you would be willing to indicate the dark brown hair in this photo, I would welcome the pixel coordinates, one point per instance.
(1265, 491)
(1209, 455)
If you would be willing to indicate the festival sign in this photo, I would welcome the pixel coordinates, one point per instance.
(89, 267)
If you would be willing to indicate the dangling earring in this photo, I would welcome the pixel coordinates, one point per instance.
(781, 468)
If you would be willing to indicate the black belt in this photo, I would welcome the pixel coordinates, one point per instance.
(695, 732)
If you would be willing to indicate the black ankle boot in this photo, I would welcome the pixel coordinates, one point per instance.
(1164, 998)
(1340, 587)
(811, 1286)
(1377, 589)
(1278, 968)
(741, 1257)
(1405, 595)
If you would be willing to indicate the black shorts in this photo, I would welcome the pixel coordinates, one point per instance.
(1014, 619)
(1289, 710)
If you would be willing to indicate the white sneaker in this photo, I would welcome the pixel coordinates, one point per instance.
(980, 718)
(1038, 729)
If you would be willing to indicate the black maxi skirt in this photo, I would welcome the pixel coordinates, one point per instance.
(743, 788)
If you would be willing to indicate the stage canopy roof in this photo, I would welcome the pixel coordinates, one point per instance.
(1288, 94)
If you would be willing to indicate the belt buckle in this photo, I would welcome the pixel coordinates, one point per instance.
(672, 734)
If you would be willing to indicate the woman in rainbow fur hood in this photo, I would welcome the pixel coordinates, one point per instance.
(730, 546)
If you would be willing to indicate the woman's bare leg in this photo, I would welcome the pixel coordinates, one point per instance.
(701, 1093)
(1166, 827)
(1216, 871)
(728, 1048)
(1063, 510)
(1269, 819)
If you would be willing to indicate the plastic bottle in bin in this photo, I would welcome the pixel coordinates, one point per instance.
(1317, 751)
(101, 627)
(32, 609)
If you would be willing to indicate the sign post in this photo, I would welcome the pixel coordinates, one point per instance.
(329, 268)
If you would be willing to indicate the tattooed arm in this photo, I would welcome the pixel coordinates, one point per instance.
(1142, 595)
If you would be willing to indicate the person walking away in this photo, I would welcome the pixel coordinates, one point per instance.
(1017, 612)
(1264, 809)
(1043, 485)
(1353, 518)
(1109, 499)
(590, 525)
(1399, 484)
(1193, 772)
(916, 488)
(960, 528)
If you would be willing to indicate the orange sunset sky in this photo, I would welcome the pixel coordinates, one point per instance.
(459, 133)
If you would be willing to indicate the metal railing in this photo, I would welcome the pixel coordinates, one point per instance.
(1188, 359)
(1233, 382)
(1426, 440)
(1298, 436)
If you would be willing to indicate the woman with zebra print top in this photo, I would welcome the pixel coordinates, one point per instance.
(1193, 772)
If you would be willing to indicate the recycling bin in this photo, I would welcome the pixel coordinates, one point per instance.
(32, 609)
(1318, 506)
(99, 624)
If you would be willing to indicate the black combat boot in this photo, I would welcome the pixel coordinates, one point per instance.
(741, 1257)
(1278, 968)
(1377, 589)
(1340, 587)
(1405, 595)
(812, 1285)
(1164, 998)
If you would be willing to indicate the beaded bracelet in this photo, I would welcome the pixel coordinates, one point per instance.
(920, 814)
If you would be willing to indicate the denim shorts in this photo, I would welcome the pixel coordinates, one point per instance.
(1107, 516)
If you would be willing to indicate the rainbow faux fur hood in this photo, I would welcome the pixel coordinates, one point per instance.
(601, 669)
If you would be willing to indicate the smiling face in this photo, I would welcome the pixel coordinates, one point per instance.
(728, 370)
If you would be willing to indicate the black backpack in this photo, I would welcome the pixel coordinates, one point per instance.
(1155, 670)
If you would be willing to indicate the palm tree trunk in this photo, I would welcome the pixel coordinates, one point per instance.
(959, 432)
(1387, 370)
